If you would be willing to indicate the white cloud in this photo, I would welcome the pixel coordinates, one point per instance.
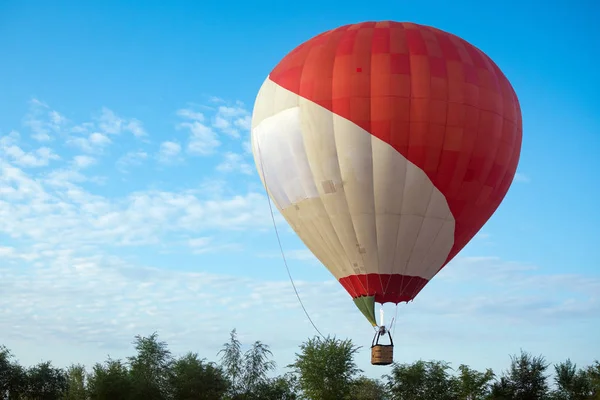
(203, 139)
(11, 253)
(84, 127)
(65, 177)
(57, 118)
(202, 245)
(244, 122)
(199, 242)
(112, 124)
(46, 124)
(67, 230)
(233, 162)
(40, 135)
(169, 152)
(303, 255)
(135, 126)
(522, 178)
(221, 123)
(131, 159)
(43, 121)
(99, 139)
(39, 157)
(230, 120)
(57, 212)
(120, 300)
(214, 188)
(82, 162)
(205, 130)
(247, 146)
(216, 100)
(93, 143)
(300, 255)
(101, 301)
(190, 114)
(109, 122)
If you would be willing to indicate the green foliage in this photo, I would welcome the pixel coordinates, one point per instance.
(473, 384)
(149, 369)
(422, 380)
(256, 366)
(571, 383)
(232, 362)
(13, 377)
(326, 368)
(247, 372)
(45, 382)
(194, 379)
(5, 369)
(76, 389)
(109, 381)
(501, 389)
(365, 388)
(279, 388)
(323, 369)
(526, 379)
(593, 374)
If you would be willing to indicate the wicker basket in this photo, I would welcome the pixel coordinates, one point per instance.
(382, 354)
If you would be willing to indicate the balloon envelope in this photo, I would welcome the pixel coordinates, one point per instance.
(386, 146)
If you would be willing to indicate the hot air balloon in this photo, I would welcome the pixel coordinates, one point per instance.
(386, 146)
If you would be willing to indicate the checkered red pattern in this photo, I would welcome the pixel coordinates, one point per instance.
(438, 100)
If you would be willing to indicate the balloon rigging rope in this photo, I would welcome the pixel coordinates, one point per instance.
(394, 321)
(280, 245)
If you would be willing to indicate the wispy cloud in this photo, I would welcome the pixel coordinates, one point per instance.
(131, 159)
(56, 211)
(83, 161)
(301, 255)
(104, 300)
(169, 152)
(233, 162)
(203, 140)
(522, 178)
(232, 120)
(188, 113)
(518, 291)
(43, 121)
(202, 245)
(39, 157)
(205, 127)
(94, 143)
(109, 122)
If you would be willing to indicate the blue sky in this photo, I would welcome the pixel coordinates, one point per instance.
(129, 202)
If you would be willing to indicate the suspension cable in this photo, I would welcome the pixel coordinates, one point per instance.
(279, 241)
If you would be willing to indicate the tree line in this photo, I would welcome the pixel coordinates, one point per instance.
(323, 369)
